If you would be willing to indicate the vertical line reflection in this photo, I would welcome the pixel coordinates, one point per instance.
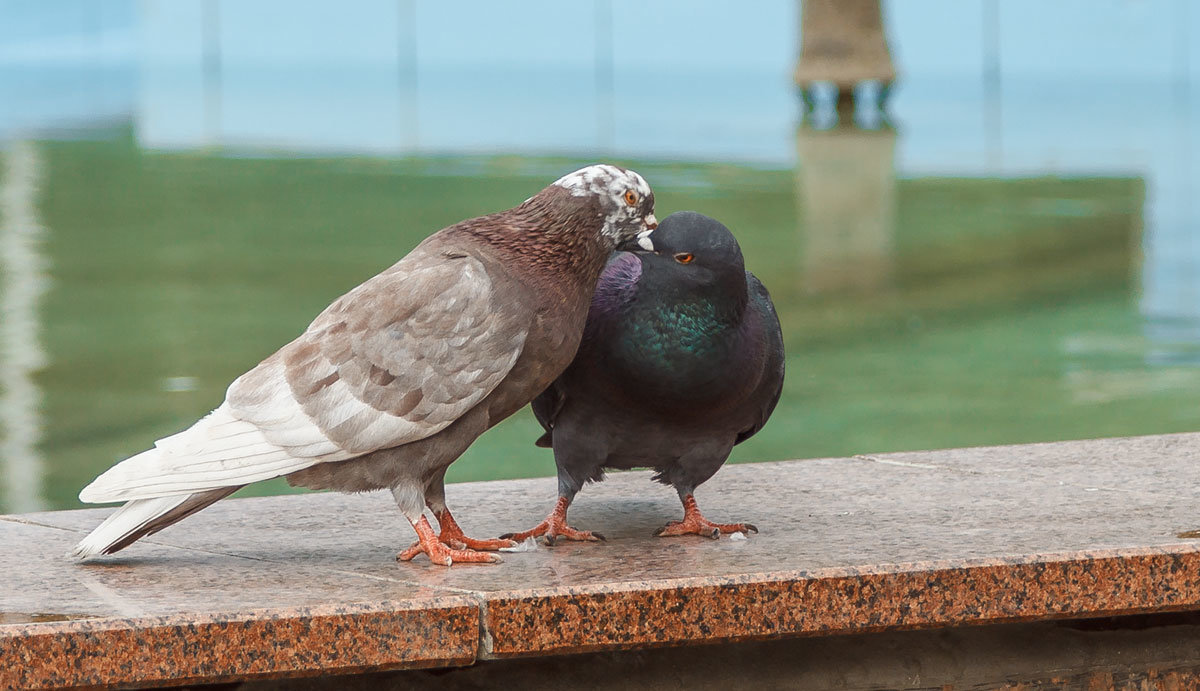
(23, 279)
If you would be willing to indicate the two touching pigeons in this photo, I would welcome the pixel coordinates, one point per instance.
(394, 380)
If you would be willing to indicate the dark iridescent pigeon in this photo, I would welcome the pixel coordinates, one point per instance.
(681, 358)
(395, 379)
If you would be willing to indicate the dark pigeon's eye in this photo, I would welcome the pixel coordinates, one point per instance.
(684, 257)
(631, 197)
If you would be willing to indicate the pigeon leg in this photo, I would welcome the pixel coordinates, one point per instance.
(449, 533)
(440, 553)
(555, 526)
(695, 524)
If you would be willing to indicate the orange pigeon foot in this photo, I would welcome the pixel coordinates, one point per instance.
(555, 527)
(439, 552)
(452, 536)
(695, 524)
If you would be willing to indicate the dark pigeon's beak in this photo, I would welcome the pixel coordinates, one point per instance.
(641, 242)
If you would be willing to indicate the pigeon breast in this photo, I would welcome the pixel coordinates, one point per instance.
(650, 344)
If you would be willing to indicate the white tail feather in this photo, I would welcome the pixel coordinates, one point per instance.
(125, 521)
(186, 472)
(218, 451)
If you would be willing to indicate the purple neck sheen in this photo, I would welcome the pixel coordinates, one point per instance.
(617, 282)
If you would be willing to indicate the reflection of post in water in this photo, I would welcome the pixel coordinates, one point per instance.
(21, 355)
(846, 193)
(843, 46)
(845, 184)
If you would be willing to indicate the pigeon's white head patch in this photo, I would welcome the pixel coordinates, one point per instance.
(602, 179)
(624, 196)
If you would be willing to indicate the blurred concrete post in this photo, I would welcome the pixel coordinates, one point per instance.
(842, 43)
(846, 193)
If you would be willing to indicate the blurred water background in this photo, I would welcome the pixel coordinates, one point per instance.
(1012, 256)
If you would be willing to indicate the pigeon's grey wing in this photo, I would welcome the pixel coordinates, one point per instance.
(393, 361)
(771, 384)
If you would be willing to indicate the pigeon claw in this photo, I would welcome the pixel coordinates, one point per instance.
(694, 523)
(536, 531)
(453, 536)
(448, 555)
(486, 545)
(441, 553)
(566, 532)
(554, 531)
(413, 550)
(703, 528)
(555, 527)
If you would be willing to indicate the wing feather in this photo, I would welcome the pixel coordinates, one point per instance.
(395, 360)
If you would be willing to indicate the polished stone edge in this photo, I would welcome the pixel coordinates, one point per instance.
(1160, 652)
(263, 644)
(1096, 583)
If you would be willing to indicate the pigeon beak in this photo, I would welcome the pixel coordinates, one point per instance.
(641, 242)
(638, 243)
(643, 238)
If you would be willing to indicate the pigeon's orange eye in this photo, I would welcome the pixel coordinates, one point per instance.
(684, 257)
(630, 197)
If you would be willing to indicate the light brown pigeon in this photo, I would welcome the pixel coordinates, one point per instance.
(394, 380)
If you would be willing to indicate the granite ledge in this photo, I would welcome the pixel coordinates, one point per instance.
(1070, 530)
(842, 601)
(213, 648)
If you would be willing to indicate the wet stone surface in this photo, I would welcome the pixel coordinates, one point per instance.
(297, 585)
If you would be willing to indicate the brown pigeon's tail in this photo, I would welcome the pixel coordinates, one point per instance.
(142, 517)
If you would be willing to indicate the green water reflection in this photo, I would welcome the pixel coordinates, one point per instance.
(918, 313)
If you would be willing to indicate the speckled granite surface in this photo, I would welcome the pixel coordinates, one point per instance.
(298, 585)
